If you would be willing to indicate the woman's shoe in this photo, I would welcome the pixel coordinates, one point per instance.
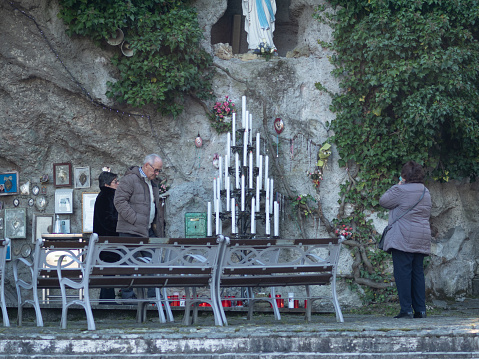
(420, 315)
(404, 315)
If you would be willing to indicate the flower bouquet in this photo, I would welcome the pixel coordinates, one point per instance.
(163, 187)
(344, 231)
(222, 112)
(264, 49)
(316, 177)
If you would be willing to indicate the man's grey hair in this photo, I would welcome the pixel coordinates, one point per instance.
(151, 158)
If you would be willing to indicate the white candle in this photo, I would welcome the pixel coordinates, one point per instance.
(276, 219)
(228, 194)
(243, 110)
(266, 164)
(228, 144)
(260, 175)
(214, 193)
(253, 223)
(220, 175)
(233, 130)
(266, 200)
(218, 194)
(242, 193)
(217, 217)
(250, 129)
(250, 169)
(268, 224)
(209, 229)
(258, 151)
(233, 216)
(237, 180)
(271, 196)
(258, 184)
(227, 160)
(245, 147)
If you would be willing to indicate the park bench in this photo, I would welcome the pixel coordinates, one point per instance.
(158, 263)
(42, 270)
(4, 247)
(253, 263)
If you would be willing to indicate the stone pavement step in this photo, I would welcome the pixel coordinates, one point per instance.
(454, 335)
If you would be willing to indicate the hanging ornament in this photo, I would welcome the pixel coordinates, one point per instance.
(278, 125)
(198, 141)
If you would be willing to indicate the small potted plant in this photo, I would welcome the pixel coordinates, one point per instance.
(222, 113)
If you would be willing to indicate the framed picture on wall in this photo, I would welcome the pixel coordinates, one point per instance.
(8, 183)
(81, 177)
(87, 208)
(62, 174)
(15, 223)
(42, 223)
(63, 201)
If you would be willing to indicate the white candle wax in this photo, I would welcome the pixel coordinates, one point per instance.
(258, 151)
(228, 144)
(228, 194)
(237, 179)
(250, 129)
(260, 175)
(217, 217)
(227, 160)
(245, 148)
(266, 164)
(271, 195)
(266, 200)
(276, 219)
(243, 110)
(242, 193)
(250, 169)
(268, 224)
(253, 223)
(209, 229)
(220, 174)
(214, 193)
(246, 121)
(258, 184)
(233, 216)
(233, 130)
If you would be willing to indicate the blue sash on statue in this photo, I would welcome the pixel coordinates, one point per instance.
(263, 21)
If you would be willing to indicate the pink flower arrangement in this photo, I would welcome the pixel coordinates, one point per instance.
(345, 231)
(225, 108)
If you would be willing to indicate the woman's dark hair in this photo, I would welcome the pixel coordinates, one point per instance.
(412, 172)
(106, 178)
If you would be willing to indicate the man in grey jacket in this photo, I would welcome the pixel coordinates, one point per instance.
(137, 201)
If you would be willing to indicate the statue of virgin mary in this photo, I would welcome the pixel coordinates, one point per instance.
(259, 22)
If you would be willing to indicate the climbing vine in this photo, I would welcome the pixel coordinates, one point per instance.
(409, 91)
(164, 35)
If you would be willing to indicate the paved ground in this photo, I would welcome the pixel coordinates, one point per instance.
(451, 334)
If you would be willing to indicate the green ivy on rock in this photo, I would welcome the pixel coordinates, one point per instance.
(168, 60)
(409, 79)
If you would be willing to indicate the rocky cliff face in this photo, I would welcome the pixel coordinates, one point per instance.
(51, 84)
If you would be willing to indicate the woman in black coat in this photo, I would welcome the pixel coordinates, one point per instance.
(105, 217)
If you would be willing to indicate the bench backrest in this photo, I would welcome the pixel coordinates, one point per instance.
(276, 262)
(156, 261)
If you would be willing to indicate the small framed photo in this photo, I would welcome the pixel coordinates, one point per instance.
(15, 223)
(8, 183)
(64, 201)
(81, 177)
(62, 174)
(87, 208)
(42, 223)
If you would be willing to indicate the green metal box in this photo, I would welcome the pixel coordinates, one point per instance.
(195, 225)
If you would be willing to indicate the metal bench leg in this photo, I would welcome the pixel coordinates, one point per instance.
(309, 304)
(274, 303)
(166, 305)
(337, 308)
(6, 321)
(186, 317)
(158, 303)
(36, 305)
